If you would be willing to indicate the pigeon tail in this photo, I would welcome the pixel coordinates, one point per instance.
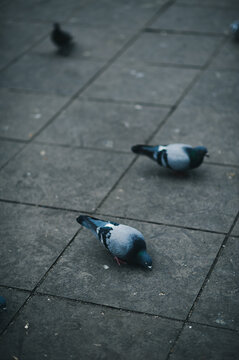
(147, 150)
(90, 222)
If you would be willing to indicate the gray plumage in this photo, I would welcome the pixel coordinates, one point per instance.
(122, 241)
(178, 157)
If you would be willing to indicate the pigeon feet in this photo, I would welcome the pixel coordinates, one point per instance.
(119, 261)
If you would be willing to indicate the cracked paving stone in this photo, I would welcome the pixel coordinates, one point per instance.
(181, 260)
(62, 329)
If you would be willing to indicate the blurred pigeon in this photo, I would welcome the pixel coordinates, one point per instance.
(235, 30)
(62, 39)
(178, 157)
(3, 304)
(125, 243)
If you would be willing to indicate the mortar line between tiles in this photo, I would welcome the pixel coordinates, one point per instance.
(207, 277)
(41, 293)
(98, 73)
(182, 32)
(32, 292)
(77, 211)
(125, 102)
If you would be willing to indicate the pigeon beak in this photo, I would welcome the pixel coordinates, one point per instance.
(149, 267)
(207, 155)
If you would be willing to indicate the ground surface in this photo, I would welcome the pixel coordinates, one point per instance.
(151, 71)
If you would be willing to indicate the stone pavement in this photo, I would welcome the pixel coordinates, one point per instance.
(142, 71)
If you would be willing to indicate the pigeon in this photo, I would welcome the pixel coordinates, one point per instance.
(62, 39)
(125, 243)
(3, 304)
(235, 30)
(178, 157)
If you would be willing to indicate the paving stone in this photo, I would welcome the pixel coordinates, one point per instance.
(166, 48)
(30, 10)
(32, 238)
(60, 329)
(103, 125)
(199, 125)
(181, 260)
(49, 73)
(205, 198)
(16, 38)
(196, 18)
(219, 302)
(61, 176)
(228, 56)
(140, 82)
(215, 90)
(122, 14)
(90, 42)
(7, 150)
(31, 111)
(14, 299)
(201, 342)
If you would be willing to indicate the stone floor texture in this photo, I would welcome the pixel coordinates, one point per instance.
(141, 71)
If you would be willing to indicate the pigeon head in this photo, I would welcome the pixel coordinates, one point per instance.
(196, 155)
(56, 26)
(144, 259)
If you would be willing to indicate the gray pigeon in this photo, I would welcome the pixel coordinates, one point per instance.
(178, 157)
(125, 243)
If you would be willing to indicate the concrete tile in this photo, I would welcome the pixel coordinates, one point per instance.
(228, 57)
(165, 48)
(30, 10)
(61, 176)
(31, 238)
(181, 260)
(216, 91)
(7, 150)
(196, 18)
(103, 125)
(30, 111)
(61, 329)
(49, 73)
(14, 299)
(205, 198)
(89, 42)
(201, 342)
(199, 125)
(122, 14)
(15, 38)
(140, 82)
(219, 302)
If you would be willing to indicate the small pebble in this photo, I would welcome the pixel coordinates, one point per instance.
(106, 267)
